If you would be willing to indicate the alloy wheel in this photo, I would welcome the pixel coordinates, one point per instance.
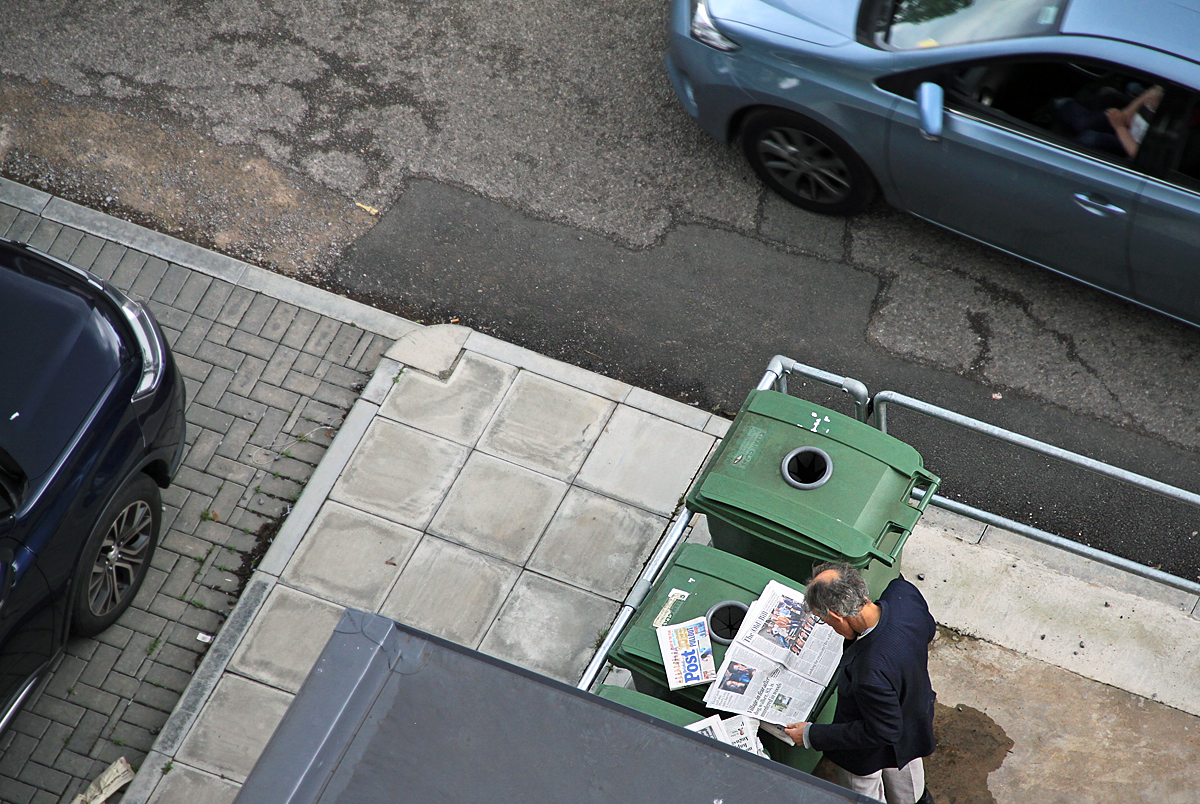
(119, 562)
(804, 165)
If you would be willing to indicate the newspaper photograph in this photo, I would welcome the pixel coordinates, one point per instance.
(711, 726)
(739, 731)
(779, 626)
(743, 734)
(780, 661)
(751, 684)
(687, 653)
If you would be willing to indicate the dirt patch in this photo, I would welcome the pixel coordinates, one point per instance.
(171, 179)
(969, 746)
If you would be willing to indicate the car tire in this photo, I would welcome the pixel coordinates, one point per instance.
(116, 558)
(806, 163)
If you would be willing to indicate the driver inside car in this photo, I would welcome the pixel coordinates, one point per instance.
(1116, 131)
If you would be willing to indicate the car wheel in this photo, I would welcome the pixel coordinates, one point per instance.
(806, 163)
(117, 557)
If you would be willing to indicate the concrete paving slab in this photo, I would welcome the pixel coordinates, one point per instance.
(458, 408)
(698, 531)
(184, 785)
(717, 426)
(1142, 646)
(498, 508)
(451, 591)
(597, 543)
(946, 523)
(319, 486)
(549, 627)
(645, 460)
(1091, 571)
(286, 638)
(351, 557)
(399, 473)
(1073, 740)
(546, 426)
(24, 198)
(234, 727)
(381, 382)
(430, 349)
(574, 376)
(668, 408)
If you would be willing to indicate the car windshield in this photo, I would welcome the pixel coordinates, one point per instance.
(912, 24)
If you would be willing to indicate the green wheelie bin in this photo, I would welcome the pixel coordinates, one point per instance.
(794, 484)
(699, 578)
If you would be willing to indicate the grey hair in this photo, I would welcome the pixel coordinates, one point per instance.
(844, 595)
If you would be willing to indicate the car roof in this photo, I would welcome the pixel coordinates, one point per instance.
(1172, 26)
(61, 351)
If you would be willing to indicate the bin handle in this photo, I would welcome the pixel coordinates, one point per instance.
(889, 559)
(920, 489)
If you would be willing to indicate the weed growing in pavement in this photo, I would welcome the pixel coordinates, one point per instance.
(153, 646)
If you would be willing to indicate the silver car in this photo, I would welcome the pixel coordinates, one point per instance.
(1066, 132)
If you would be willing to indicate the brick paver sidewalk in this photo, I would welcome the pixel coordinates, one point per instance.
(268, 384)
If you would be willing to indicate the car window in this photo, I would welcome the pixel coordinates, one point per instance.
(1185, 169)
(1067, 102)
(914, 24)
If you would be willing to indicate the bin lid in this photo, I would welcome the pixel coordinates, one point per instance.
(390, 713)
(865, 499)
(708, 576)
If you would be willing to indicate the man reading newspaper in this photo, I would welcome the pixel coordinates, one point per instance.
(883, 724)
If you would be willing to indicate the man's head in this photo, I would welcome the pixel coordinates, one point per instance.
(837, 594)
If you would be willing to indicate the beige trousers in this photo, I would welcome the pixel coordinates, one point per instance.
(893, 785)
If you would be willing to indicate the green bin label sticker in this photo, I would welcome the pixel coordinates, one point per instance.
(749, 441)
(675, 597)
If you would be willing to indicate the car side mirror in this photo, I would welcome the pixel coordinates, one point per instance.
(931, 108)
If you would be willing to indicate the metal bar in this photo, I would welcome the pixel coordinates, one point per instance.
(884, 398)
(775, 378)
(1099, 556)
(635, 597)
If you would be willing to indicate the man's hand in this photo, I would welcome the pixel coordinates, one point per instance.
(796, 732)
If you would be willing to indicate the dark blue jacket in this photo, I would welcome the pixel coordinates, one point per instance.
(884, 715)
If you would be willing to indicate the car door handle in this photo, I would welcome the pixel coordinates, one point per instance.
(1097, 204)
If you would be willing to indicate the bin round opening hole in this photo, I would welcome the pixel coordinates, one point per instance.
(724, 619)
(807, 467)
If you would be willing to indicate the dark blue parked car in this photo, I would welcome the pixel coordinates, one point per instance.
(91, 427)
(988, 117)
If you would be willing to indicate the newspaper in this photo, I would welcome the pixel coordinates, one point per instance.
(687, 653)
(711, 726)
(780, 661)
(739, 731)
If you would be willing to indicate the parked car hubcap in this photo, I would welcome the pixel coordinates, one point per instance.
(804, 165)
(120, 558)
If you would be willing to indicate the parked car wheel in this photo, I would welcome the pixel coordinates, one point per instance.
(806, 163)
(117, 557)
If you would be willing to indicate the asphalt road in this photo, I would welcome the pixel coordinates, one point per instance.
(533, 177)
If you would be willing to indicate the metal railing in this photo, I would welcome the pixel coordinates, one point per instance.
(636, 595)
(780, 367)
(883, 399)
(867, 407)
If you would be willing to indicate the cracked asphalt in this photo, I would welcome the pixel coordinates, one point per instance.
(528, 172)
